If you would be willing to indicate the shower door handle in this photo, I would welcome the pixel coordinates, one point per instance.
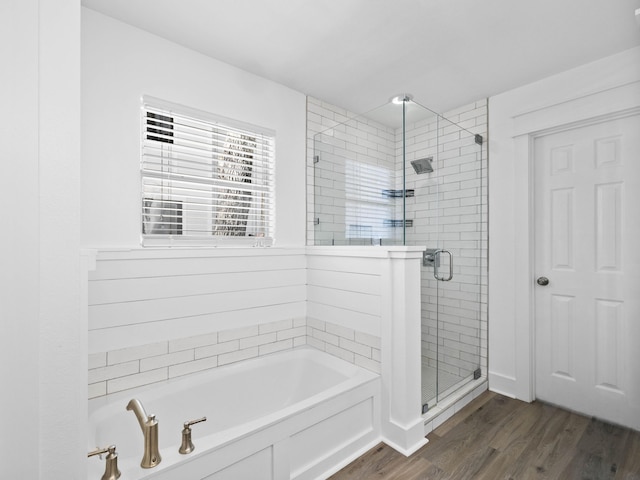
(436, 266)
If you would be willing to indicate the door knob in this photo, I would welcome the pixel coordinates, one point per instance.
(542, 281)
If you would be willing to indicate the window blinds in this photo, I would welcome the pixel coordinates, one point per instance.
(204, 179)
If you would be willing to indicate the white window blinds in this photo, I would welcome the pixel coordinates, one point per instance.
(204, 179)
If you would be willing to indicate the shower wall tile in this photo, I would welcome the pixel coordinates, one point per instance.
(348, 141)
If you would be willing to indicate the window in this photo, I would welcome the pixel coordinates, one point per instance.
(367, 206)
(205, 180)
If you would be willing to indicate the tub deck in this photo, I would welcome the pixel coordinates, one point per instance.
(295, 414)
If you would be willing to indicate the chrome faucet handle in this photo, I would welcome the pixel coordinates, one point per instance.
(111, 471)
(187, 445)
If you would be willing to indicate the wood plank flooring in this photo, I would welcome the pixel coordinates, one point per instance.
(498, 438)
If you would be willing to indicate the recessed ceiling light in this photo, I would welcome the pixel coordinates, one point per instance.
(400, 99)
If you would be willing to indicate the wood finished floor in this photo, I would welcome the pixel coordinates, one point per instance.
(496, 438)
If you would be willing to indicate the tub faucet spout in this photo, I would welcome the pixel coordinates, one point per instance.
(149, 427)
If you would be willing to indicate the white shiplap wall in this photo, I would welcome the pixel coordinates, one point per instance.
(159, 314)
(346, 301)
(137, 297)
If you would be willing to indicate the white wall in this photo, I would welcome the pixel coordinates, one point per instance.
(19, 274)
(119, 65)
(515, 114)
(145, 296)
(43, 338)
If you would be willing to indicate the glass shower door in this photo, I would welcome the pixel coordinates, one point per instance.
(452, 268)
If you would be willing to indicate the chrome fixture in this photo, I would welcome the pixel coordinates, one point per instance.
(422, 165)
(111, 471)
(149, 425)
(431, 258)
(401, 98)
(187, 445)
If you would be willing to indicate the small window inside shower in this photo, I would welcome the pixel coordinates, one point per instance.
(366, 205)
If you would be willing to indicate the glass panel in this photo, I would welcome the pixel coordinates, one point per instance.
(460, 227)
(403, 175)
(357, 197)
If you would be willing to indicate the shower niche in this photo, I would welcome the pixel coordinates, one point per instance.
(404, 175)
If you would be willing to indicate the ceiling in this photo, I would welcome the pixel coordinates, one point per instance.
(357, 54)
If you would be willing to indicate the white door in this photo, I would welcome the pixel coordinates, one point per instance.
(587, 244)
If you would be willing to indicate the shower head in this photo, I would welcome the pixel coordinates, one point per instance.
(422, 165)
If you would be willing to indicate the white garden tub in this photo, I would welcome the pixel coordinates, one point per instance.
(297, 414)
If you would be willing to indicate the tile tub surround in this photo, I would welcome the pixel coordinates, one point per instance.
(123, 369)
(353, 346)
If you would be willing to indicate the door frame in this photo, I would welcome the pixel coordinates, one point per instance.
(598, 107)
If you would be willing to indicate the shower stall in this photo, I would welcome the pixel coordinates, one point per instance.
(404, 175)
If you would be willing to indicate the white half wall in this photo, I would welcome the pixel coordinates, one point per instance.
(608, 85)
(121, 63)
(144, 296)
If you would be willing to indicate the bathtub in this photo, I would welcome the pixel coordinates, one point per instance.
(299, 414)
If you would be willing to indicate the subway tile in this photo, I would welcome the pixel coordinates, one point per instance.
(275, 346)
(217, 349)
(316, 343)
(193, 342)
(137, 380)
(275, 326)
(355, 347)
(136, 353)
(340, 353)
(237, 333)
(300, 341)
(97, 360)
(367, 339)
(340, 331)
(97, 389)
(113, 371)
(258, 340)
(328, 338)
(376, 355)
(367, 363)
(292, 332)
(192, 367)
(237, 356)
(153, 363)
